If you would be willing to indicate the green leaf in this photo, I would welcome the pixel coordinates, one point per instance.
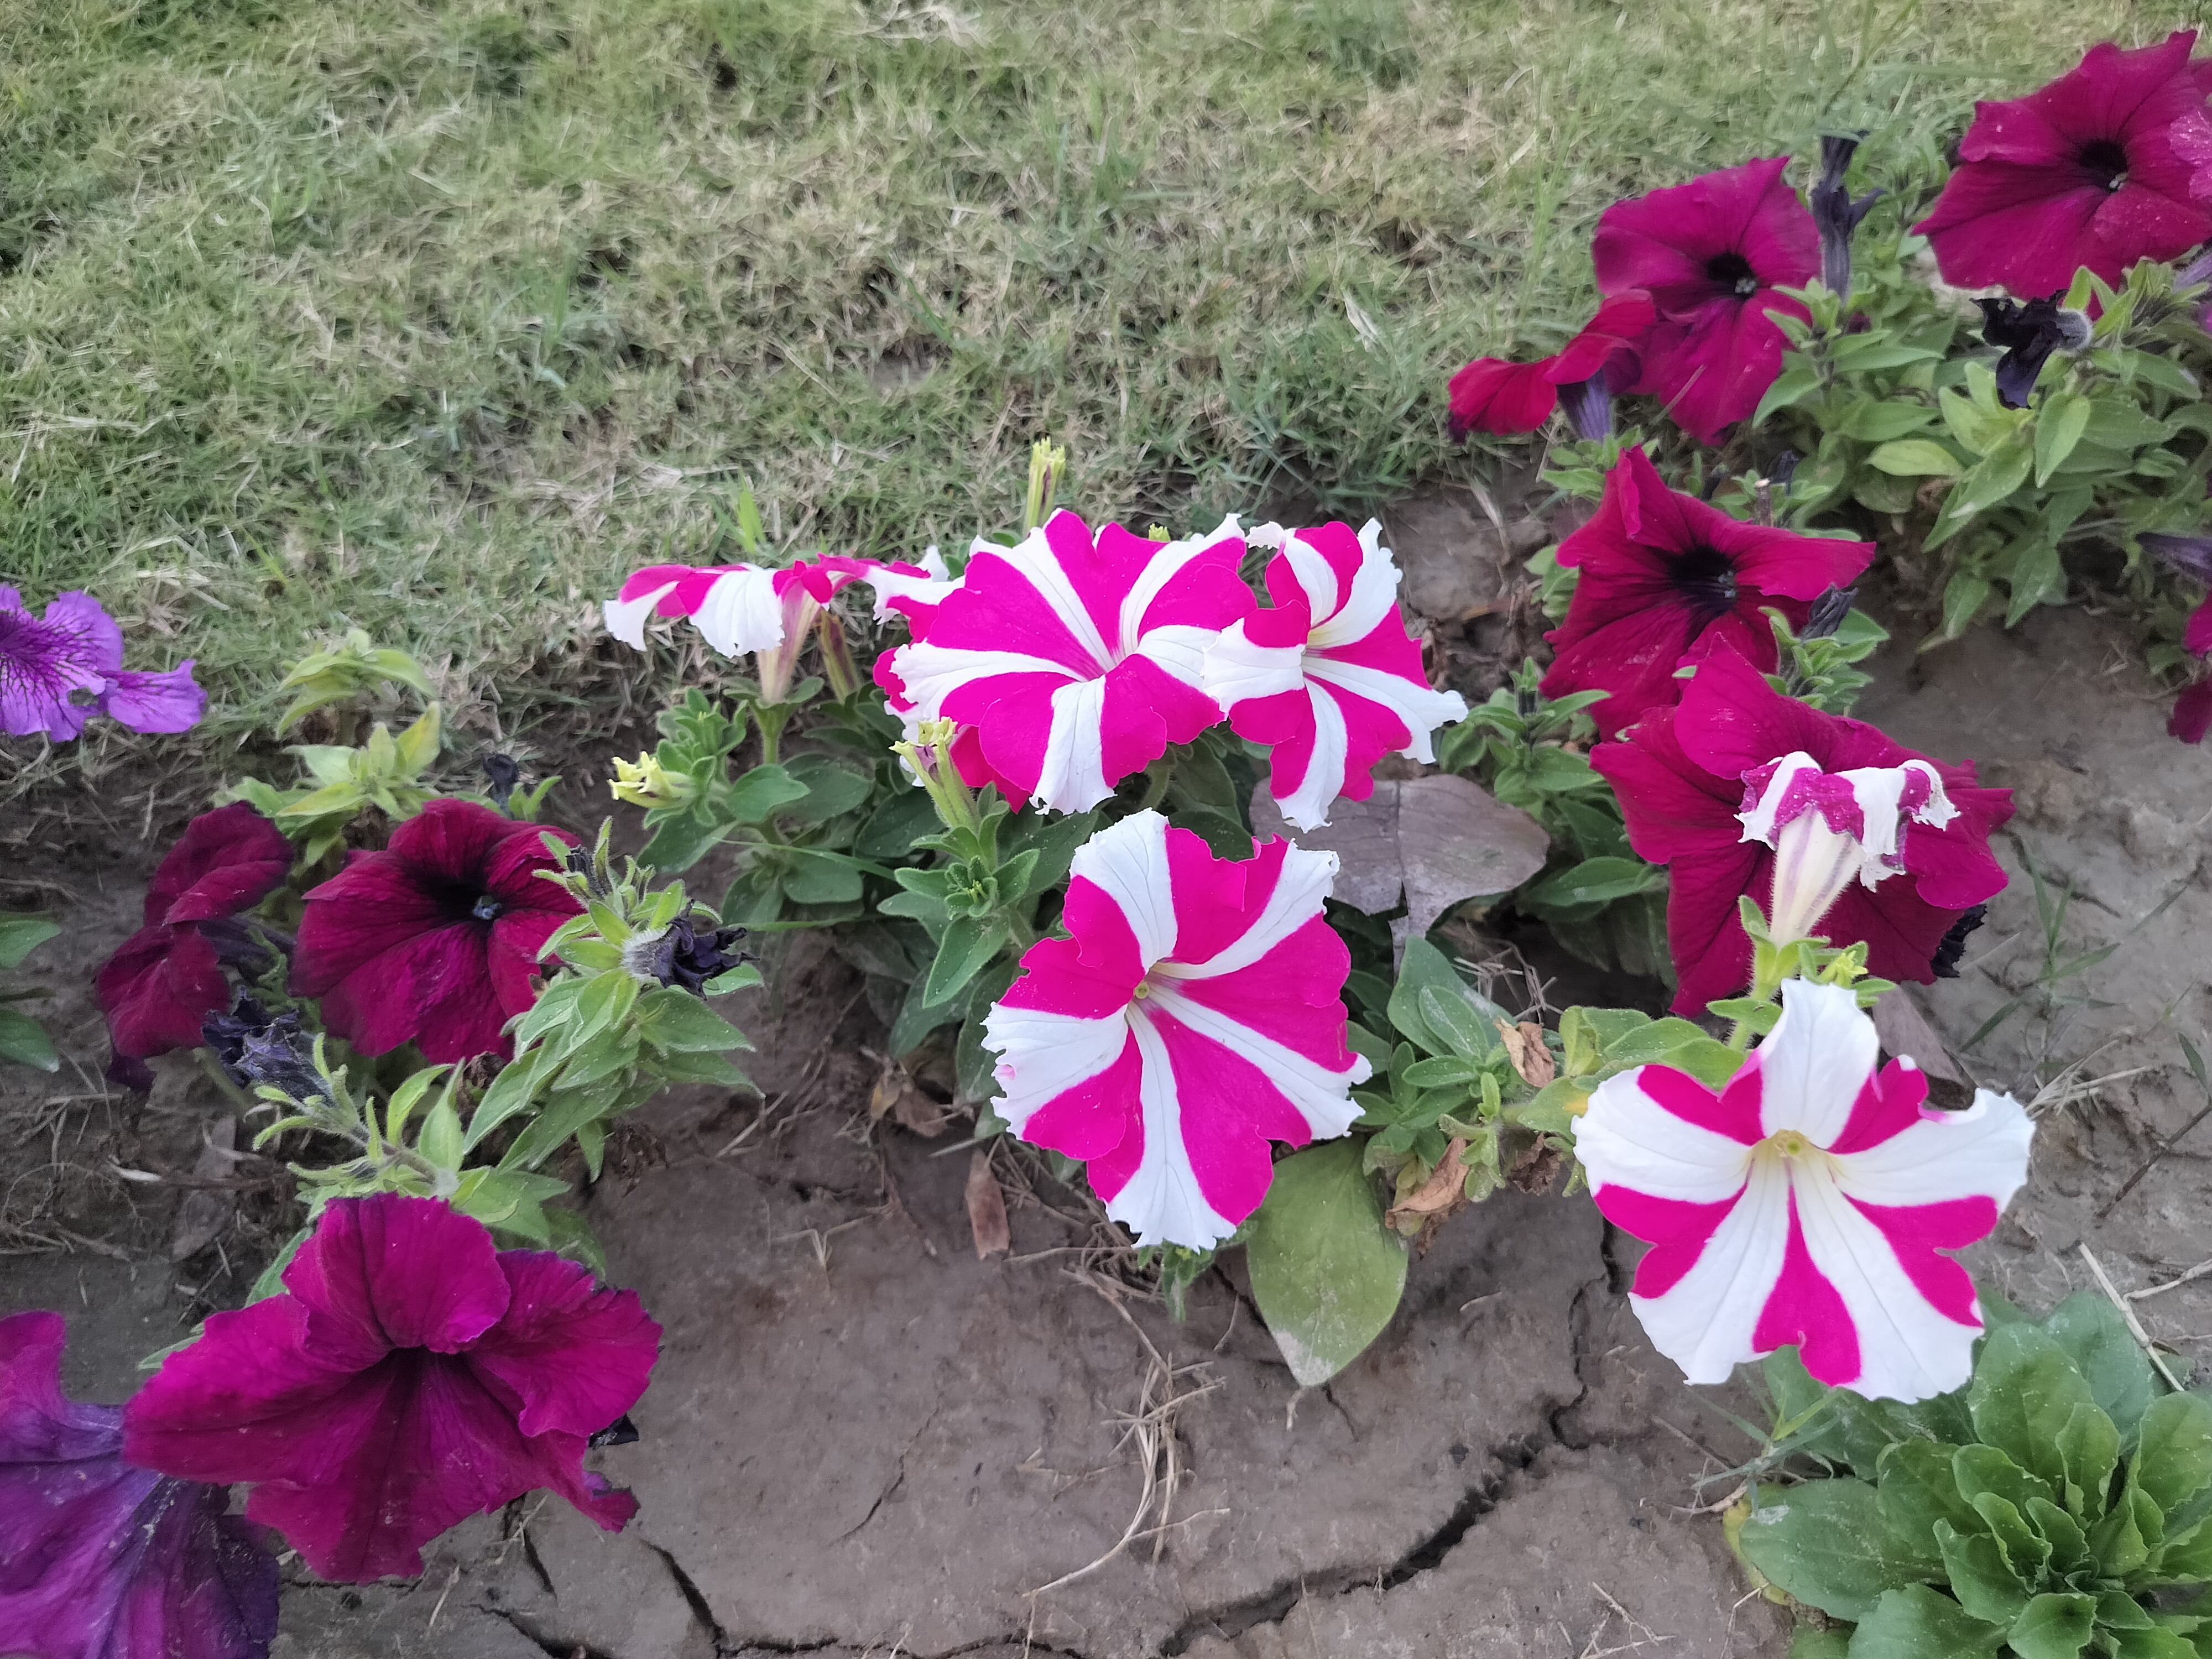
(2118, 1610)
(1593, 881)
(1811, 1642)
(2055, 1625)
(2059, 425)
(2154, 1644)
(1326, 1272)
(1915, 458)
(821, 878)
(1427, 968)
(1983, 1580)
(2119, 1541)
(20, 935)
(2024, 1390)
(1826, 1543)
(408, 1096)
(893, 828)
(1964, 596)
(572, 1237)
(702, 1067)
(439, 1138)
(2090, 1330)
(565, 1111)
(968, 945)
(2174, 1461)
(918, 1017)
(1799, 379)
(677, 843)
(1873, 423)
(756, 795)
(25, 1041)
(1447, 1014)
(2026, 1551)
(1918, 1489)
(511, 1092)
(1916, 1622)
(2088, 1450)
(2000, 472)
(673, 1020)
(1979, 1469)
(2069, 1545)
(833, 788)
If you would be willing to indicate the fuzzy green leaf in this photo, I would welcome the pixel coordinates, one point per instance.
(2089, 1450)
(1918, 1489)
(1325, 1271)
(673, 1020)
(1915, 458)
(1826, 1543)
(2054, 1626)
(25, 1041)
(1916, 1622)
(1984, 1584)
(2175, 1461)
(2097, 1339)
(2024, 1390)
(20, 935)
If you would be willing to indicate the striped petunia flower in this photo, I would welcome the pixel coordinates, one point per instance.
(1195, 1014)
(1075, 658)
(1808, 1202)
(1329, 678)
(741, 608)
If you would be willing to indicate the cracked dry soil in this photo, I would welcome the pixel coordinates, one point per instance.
(863, 1441)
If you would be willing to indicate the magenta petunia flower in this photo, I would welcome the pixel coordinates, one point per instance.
(2084, 172)
(435, 939)
(1686, 778)
(409, 1376)
(167, 977)
(1329, 678)
(1810, 1201)
(1666, 578)
(1711, 254)
(2192, 556)
(60, 670)
(1195, 1014)
(100, 1559)
(1076, 659)
(1492, 395)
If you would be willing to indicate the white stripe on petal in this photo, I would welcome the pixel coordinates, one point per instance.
(1626, 1138)
(1373, 600)
(1162, 1203)
(1312, 1087)
(1310, 570)
(1704, 1321)
(1073, 778)
(741, 612)
(626, 618)
(1307, 805)
(1128, 863)
(931, 674)
(1043, 1054)
(1179, 649)
(1237, 670)
(1041, 568)
(1981, 1153)
(1303, 882)
(1422, 709)
(1908, 1350)
(1814, 1062)
(1161, 569)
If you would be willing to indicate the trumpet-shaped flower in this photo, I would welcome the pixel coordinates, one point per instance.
(408, 1376)
(1666, 578)
(1328, 678)
(1808, 1202)
(1831, 828)
(1075, 658)
(100, 1559)
(1492, 395)
(742, 608)
(1690, 780)
(1712, 255)
(436, 938)
(1195, 1015)
(2083, 171)
(60, 670)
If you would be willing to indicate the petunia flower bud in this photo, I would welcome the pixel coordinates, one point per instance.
(1835, 214)
(646, 783)
(1828, 828)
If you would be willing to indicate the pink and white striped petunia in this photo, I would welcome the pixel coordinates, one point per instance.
(741, 608)
(1807, 1203)
(1329, 676)
(1195, 1015)
(1075, 660)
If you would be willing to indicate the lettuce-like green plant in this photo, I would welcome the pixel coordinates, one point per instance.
(2061, 1504)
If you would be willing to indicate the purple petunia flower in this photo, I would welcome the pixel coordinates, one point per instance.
(409, 1376)
(58, 670)
(100, 1559)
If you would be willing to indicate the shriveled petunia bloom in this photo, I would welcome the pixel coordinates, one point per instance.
(60, 670)
(2192, 556)
(1687, 777)
(167, 977)
(1666, 577)
(1329, 678)
(2029, 333)
(1808, 1202)
(1075, 660)
(408, 1376)
(435, 939)
(1711, 254)
(100, 1559)
(1492, 395)
(2083, 171)
(1195, 1015)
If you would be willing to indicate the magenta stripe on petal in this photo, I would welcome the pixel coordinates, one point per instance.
(1227, 1142)
(1915, 1232)
(1889, 1104)
(1734, 1112)
(1677, 1231)
(1807, 1310)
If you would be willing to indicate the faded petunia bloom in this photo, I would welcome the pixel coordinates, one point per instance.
(1195, 1015)
(1686, 777)
(1328, 678)
(409, 1376)
(1835, 214)
(1808, 1202)
(435, 939)
(1829, 829)
(2192, 556)
(60, 670)
(1712, 255)
(2083, 171)
(1072, 658)
(1492, 395)
(1666, 577)
(100, 1559)
(2029, 333)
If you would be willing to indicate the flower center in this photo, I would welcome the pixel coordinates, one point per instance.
(1144, 989)
(1732, 271)
(2106, 163)
(1705, 577)
(1790, 1143)
(487, 909)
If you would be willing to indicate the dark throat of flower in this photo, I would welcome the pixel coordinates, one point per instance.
(486, 908)
(1733, 272)
(1705, 578)
(2106, 161)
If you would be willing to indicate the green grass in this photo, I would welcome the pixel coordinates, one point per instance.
(436, 319)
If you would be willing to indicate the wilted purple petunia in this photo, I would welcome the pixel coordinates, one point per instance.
(102, 1560)
(60, 670)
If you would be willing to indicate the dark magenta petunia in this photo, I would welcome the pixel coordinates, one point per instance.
(1664, 577)
(167, 977)
(2192, 556)
(100, 1559)
(2084, 172)
(1492, 395)
(1683, 779)
(435, 939)
(1711, 254)
(409, 1376)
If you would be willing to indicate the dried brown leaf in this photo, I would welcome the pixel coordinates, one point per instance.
(987, 1207)
(1535, 1170)
(1524, 1047)
(1443, 1193)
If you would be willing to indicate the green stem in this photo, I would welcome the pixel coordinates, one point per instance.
(1156, 788)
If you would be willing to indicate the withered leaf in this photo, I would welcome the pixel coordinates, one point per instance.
(1524, 1047)
(987, 1207)
(1443, 1192)
(1535, 1170)
(896, 1095)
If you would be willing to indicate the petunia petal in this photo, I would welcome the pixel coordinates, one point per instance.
(575, 1353)
(226, 861)
(156, 989)
(1815, 1061)
(1706, 1319)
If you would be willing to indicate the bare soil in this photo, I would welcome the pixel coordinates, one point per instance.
(862, 1440)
